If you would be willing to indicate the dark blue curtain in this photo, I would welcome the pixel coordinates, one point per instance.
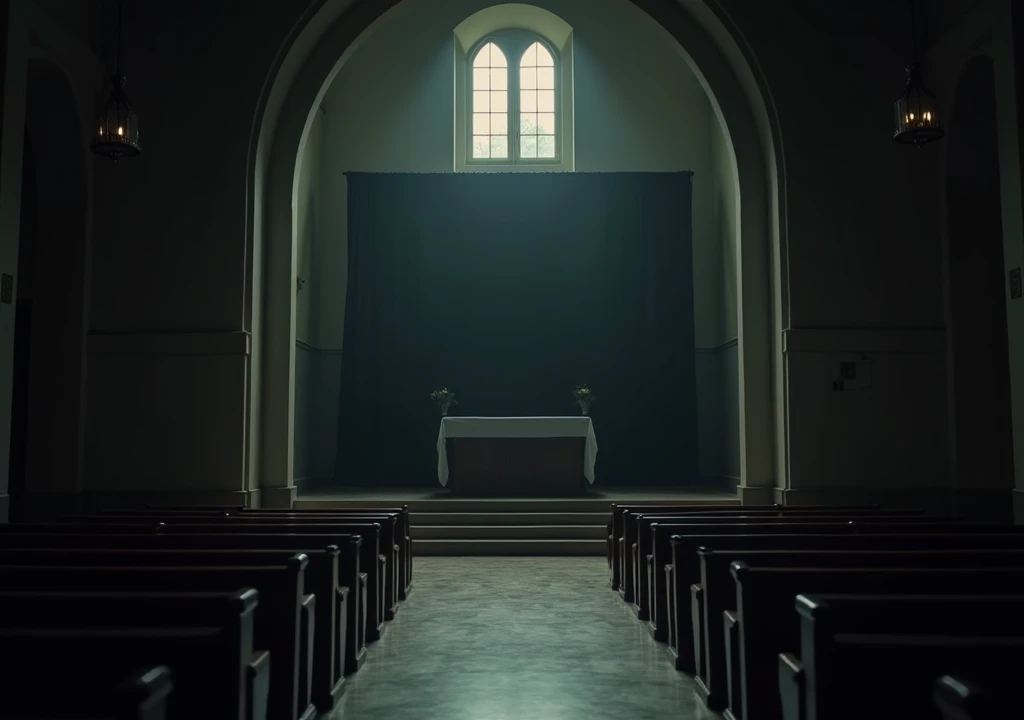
(511, 289)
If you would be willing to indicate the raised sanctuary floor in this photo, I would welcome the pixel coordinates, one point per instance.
(517, 638)
(446, 524)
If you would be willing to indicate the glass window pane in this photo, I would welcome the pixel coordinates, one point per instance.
(481, 124)
(528, 100)
(480, 103)
(546, 146)
(483, 56)
(546, 78)
(545, 101)
(481, 78)
(546, 123)
(499, 78)
(497, 57)
(544, 58)
(499, 123)
(499, 101)
(528, 78)
(529, 57)
(528, 123)
(499, 146)
(481, 146)
(528, 147)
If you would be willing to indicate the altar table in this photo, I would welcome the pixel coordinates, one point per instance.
(517, 456)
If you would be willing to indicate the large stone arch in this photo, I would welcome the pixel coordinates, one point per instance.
(321, 42)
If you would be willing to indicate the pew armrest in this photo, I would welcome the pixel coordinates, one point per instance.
(791, 687)
(732, 664)
(258, 685)
(958, 699)
(306, 639)
(697, 622)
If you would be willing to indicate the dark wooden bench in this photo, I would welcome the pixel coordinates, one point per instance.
(960, 699)
(325, 656)
(891, 677)
(647, 583)
(770, 627)
(623, 530)
(637, 550)
(62, 672)
(404, 525)
(714, 675)
(257, 536)
(232, 611)
(389, 551)
(985, 615)
(350, 606)
(277, 626)
(675, 602)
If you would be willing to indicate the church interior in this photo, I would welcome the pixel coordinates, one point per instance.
(549, 360)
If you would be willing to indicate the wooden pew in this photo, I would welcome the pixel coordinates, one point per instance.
(647, 584)
(676, 601)
(853, 670)
(325, 654)
(764, 601)
(719, 595)
(952, 615)
(68, 672)
(623, 531)
(246, 535)
(233, 611)
(350, 606)
(388, 559)
(619, 520)
(405, 535)
(631, 541)
(277, 625)
(961, 699)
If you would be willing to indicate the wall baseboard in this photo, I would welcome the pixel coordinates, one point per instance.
(755, 494)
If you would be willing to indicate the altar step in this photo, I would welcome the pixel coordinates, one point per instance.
(532, 531)
(503, 526)
(519, 548)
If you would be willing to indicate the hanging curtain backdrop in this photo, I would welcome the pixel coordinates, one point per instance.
(511, 289)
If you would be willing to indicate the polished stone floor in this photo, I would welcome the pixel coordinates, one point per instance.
(516, 639)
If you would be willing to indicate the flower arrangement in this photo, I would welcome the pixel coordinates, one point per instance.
(584, 396)
(444, 398)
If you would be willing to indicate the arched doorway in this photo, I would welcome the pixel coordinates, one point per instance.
(47, 429)
(980, 372)
(312, 55)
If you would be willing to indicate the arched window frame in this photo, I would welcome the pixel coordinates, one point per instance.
(514, 43)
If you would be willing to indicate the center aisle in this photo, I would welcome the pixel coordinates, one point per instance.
(499, 638)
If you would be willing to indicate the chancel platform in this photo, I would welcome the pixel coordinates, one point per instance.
(516, 456)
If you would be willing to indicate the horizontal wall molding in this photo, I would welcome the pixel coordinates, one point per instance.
(303, 345)
(717, 348)
(894, 341)
(178, 343)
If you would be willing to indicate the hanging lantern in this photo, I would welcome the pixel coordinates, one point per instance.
(117, 133)
(916, 112)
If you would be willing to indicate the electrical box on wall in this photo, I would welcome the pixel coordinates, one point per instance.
(854, 374)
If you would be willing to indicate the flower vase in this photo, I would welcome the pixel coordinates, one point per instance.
(444, 410)
(584, 409)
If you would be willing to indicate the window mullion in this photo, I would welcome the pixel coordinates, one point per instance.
(513, 115)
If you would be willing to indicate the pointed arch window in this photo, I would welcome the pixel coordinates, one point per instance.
(490, 104)
(537, 129)
(514, 103)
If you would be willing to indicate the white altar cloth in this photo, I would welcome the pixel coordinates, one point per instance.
(516, 427)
